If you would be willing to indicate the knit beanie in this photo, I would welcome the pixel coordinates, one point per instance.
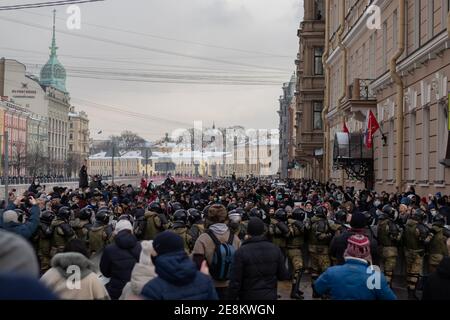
(358, 221)
(10, 216)
(17, 255)
(168, 242)
(358, 247)
(123, 225)
(255, 227)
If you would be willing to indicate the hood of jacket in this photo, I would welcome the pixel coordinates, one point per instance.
(175, 268)
(142, 273)
(444, 268)
(125, 240)
(255, 239)
(62, 262)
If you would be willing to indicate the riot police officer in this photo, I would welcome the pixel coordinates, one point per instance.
(437, 247)
(179, 226)
(318, 244)
(82, 223)
(197, 226)
(234, 223)
(416, 235)
(42, 240)
(155, 221)
(389, 236)
(62, 232)
(101, 233)
(298, 225)
(278, 229)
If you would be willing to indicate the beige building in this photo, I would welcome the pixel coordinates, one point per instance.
(78, 140)
(310, 91)
(127, 164)
(400, 71)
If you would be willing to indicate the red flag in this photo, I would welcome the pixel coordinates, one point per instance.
(345, 129)
(372, 127)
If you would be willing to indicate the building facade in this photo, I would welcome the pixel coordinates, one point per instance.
(53, 80)
(399, 70)
(284, 127)
(78, 141)
(127, 164)
(310, 90)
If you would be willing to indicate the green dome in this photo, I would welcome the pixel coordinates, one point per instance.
(53, 73)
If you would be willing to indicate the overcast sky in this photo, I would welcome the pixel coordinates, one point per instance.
(165, 43)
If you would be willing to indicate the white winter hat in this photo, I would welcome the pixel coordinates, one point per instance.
(123, 225)
(10, 216)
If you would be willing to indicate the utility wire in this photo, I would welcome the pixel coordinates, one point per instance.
(44, 4)
(145, 48)
(172, 39)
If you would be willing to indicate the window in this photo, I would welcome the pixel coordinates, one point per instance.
(71, 125)
(70, 136)
(390, 174)
(425, 142)
(394, 29)
(318, 67)
(441, 141)
(317, 115)
(318, 9)
(70, 147)
(417, 23)
(412, 146)
(430, 19)
(384, 52)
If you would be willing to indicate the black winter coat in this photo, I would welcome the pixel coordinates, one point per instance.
(258, 266)
(118, 261)
(437, 286)
(339, 244)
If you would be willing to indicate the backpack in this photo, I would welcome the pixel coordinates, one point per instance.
(223, 257)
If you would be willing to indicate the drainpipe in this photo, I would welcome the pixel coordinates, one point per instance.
(326, 103)
(448, 23)
(400, 94)
(344, 63)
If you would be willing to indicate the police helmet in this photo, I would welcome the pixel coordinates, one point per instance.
(180, 216)
(86, 213)
(194, 215)
(320, 211)
(155, 207)
(255, 212)
(418, 215)
(47, 216)
(235, 216)
(390, 212)
(439, 220)
(281, 215)
(102, 217)
(64, 213)
(341, 216)
(298, 214)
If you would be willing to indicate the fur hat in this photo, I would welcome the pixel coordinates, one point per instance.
(217, 213)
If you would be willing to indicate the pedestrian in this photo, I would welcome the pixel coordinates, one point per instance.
(19, 270)
(63, 265)
(143, 272)
(83, 176)
(178, 277)
(437, 286)
(27, 228)
(351, 280)
(258, 266)
(208, 247)
(119, 258)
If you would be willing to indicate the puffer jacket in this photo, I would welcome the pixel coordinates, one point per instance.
(56, 278)
(26, 229)
(349, 282)
(257, 267)
(178, 279)
(437, 286)
(118, 261)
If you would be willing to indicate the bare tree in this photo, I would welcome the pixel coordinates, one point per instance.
(37, 160)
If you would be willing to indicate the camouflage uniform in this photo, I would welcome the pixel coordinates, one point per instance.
(182, 231)
(81, 228)
(318, 246)
(194, 232)
(389, 234)
(99, 236)
(295, 244)
(437, 247)
(155, 223)
(61, 235)
(42, 242)
(278, 232)
(415, 235)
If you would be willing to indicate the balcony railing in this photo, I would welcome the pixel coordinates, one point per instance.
(360, 90)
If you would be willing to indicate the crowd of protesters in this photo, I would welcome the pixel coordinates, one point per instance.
(228, 239)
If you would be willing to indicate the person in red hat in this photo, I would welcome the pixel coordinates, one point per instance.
(357, 279)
